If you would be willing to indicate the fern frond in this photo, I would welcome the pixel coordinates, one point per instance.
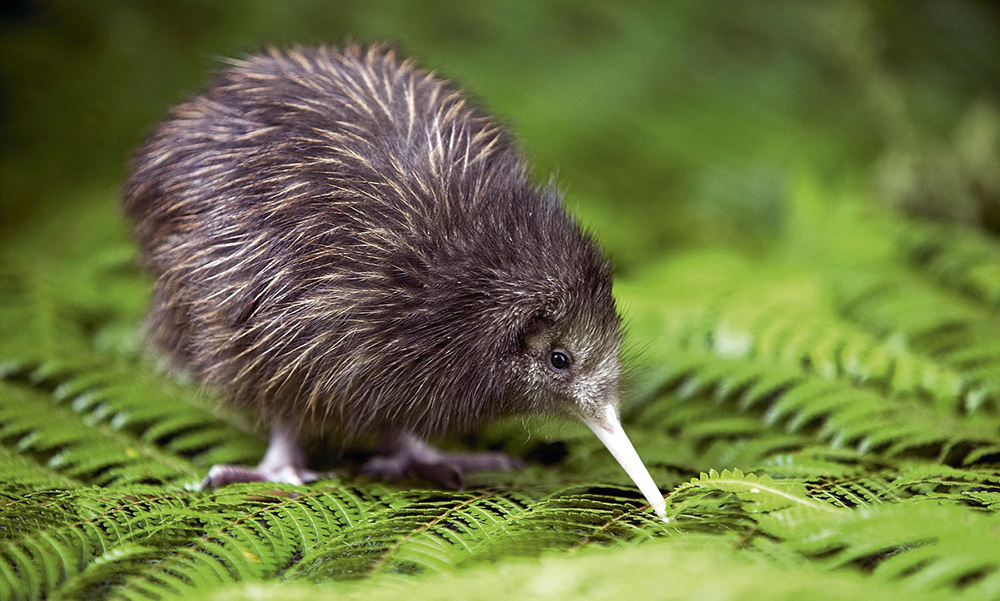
(571, 519)
(919, 545)
(102, 423)
(60, 439)
(958, 258)
(676, 568)
(951, 329)
(63, 531)
(758, 494)
(433, 533)
(246, 533)
(791, 325)
(839, 414)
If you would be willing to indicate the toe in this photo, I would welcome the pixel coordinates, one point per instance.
(499, 462)
(221, 475)
(444, 473)
(390, 467)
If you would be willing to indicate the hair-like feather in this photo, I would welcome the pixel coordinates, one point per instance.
(344, 241)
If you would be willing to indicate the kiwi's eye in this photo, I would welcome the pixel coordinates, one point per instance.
(559, 359)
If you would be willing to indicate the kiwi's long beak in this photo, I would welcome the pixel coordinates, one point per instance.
(609, 430)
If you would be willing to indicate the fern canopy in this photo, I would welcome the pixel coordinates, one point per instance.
(815, 375)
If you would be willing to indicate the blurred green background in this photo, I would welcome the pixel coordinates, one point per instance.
(668, 124)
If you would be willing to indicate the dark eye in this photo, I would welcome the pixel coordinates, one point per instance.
(559, 360)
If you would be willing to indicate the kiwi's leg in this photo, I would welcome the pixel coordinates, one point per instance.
(283, 462)
(405, 454)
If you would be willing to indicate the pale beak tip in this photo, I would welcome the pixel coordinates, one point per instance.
(609, 430)
(661, 511)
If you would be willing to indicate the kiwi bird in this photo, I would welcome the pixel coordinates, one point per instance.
(345, 243)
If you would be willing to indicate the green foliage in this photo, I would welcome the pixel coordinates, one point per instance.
(840, 432)
(815, 377)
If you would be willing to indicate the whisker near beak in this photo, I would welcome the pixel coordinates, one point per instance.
(609, 430)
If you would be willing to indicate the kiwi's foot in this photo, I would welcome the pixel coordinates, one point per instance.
(223, 474)
(283, 462)
(406, 454)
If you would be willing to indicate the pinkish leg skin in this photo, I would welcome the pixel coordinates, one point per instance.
(404, 454)
(283, 462)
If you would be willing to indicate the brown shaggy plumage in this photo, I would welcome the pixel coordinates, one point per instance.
(343, 241)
